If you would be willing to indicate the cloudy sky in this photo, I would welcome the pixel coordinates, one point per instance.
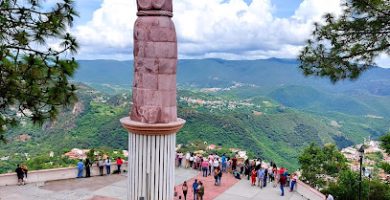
(228, 29)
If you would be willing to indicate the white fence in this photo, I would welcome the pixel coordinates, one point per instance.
(41, 176)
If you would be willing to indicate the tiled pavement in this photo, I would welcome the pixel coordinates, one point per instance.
(211, 191)
(113, 187)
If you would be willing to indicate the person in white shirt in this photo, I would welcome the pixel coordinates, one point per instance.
(107, 163)
(211, 167)
(188, 156)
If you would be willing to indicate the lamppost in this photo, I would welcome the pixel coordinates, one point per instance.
(361, 154)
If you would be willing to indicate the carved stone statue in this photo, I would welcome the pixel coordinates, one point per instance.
(155, 60)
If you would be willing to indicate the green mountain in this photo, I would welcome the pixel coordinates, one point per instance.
(265, 107)
(269, 73)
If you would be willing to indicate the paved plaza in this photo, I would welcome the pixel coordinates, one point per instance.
(113, 187)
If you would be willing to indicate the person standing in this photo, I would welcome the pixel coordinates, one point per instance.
(192, 160)
(260, 177)
(293, 181)
(219, 177)
(184, 187)
(216, 174)
(180, 159)
(275, 173)
(195, 188)
(253, 177)
(80, 168)
(88, 165)
(19, 174)
(200, 190)
(25, 171)
(107, 163)
(205, 167)
(119, 163)
(282, 181)
(223, 161)
(234, 163)
(265, 177)
(100, 164)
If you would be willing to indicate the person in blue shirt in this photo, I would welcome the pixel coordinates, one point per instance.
(80, 168)
(223, 160)
(260, 177)
(195, 188)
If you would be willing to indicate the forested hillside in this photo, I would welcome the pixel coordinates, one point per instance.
(265, 107)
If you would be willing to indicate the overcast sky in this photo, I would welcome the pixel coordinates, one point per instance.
(227, 29)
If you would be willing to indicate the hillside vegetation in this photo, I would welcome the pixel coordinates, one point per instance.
(271, 116)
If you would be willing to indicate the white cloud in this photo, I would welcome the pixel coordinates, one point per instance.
(207, 28)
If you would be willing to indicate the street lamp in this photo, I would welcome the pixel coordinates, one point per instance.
(361, 154)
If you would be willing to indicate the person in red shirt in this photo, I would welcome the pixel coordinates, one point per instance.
(119, 163)
(234, 163)
(282, 170)
(253, 177)
(282, 182)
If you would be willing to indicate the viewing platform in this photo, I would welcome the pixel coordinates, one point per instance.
(113, 187)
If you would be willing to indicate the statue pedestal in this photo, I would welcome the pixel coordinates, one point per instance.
(151, 161)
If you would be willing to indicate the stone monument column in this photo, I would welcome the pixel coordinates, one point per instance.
(153, 122)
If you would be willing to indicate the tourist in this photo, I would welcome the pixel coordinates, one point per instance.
(219, 176)
(260, 177)
(236, 174)
(188, 156)
(216, 163)
(100, 164)
(19, 174)
(287, 175)
(234, 163)
(119, 163)
(275, 173)
(216, 174)
(191, 160)
(293, 181)
(229, 165)
(223, 161)
(80, 168)
(265, 177)
(180, 159)
(200, 190)
(25, 171)
(205, 167)
(271, 174)
(282, 181)
(184, 187)
(88, 165)
(195, 188)
(108, 165)
(253, 177)
(247, 168)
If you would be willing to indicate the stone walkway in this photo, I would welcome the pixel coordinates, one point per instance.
(244, 191)
(211, 191)
(113, 187)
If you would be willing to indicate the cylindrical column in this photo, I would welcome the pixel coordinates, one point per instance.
(153, 122)
(151, 161)
(153, 177)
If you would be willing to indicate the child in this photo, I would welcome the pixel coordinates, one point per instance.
(253, 177)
